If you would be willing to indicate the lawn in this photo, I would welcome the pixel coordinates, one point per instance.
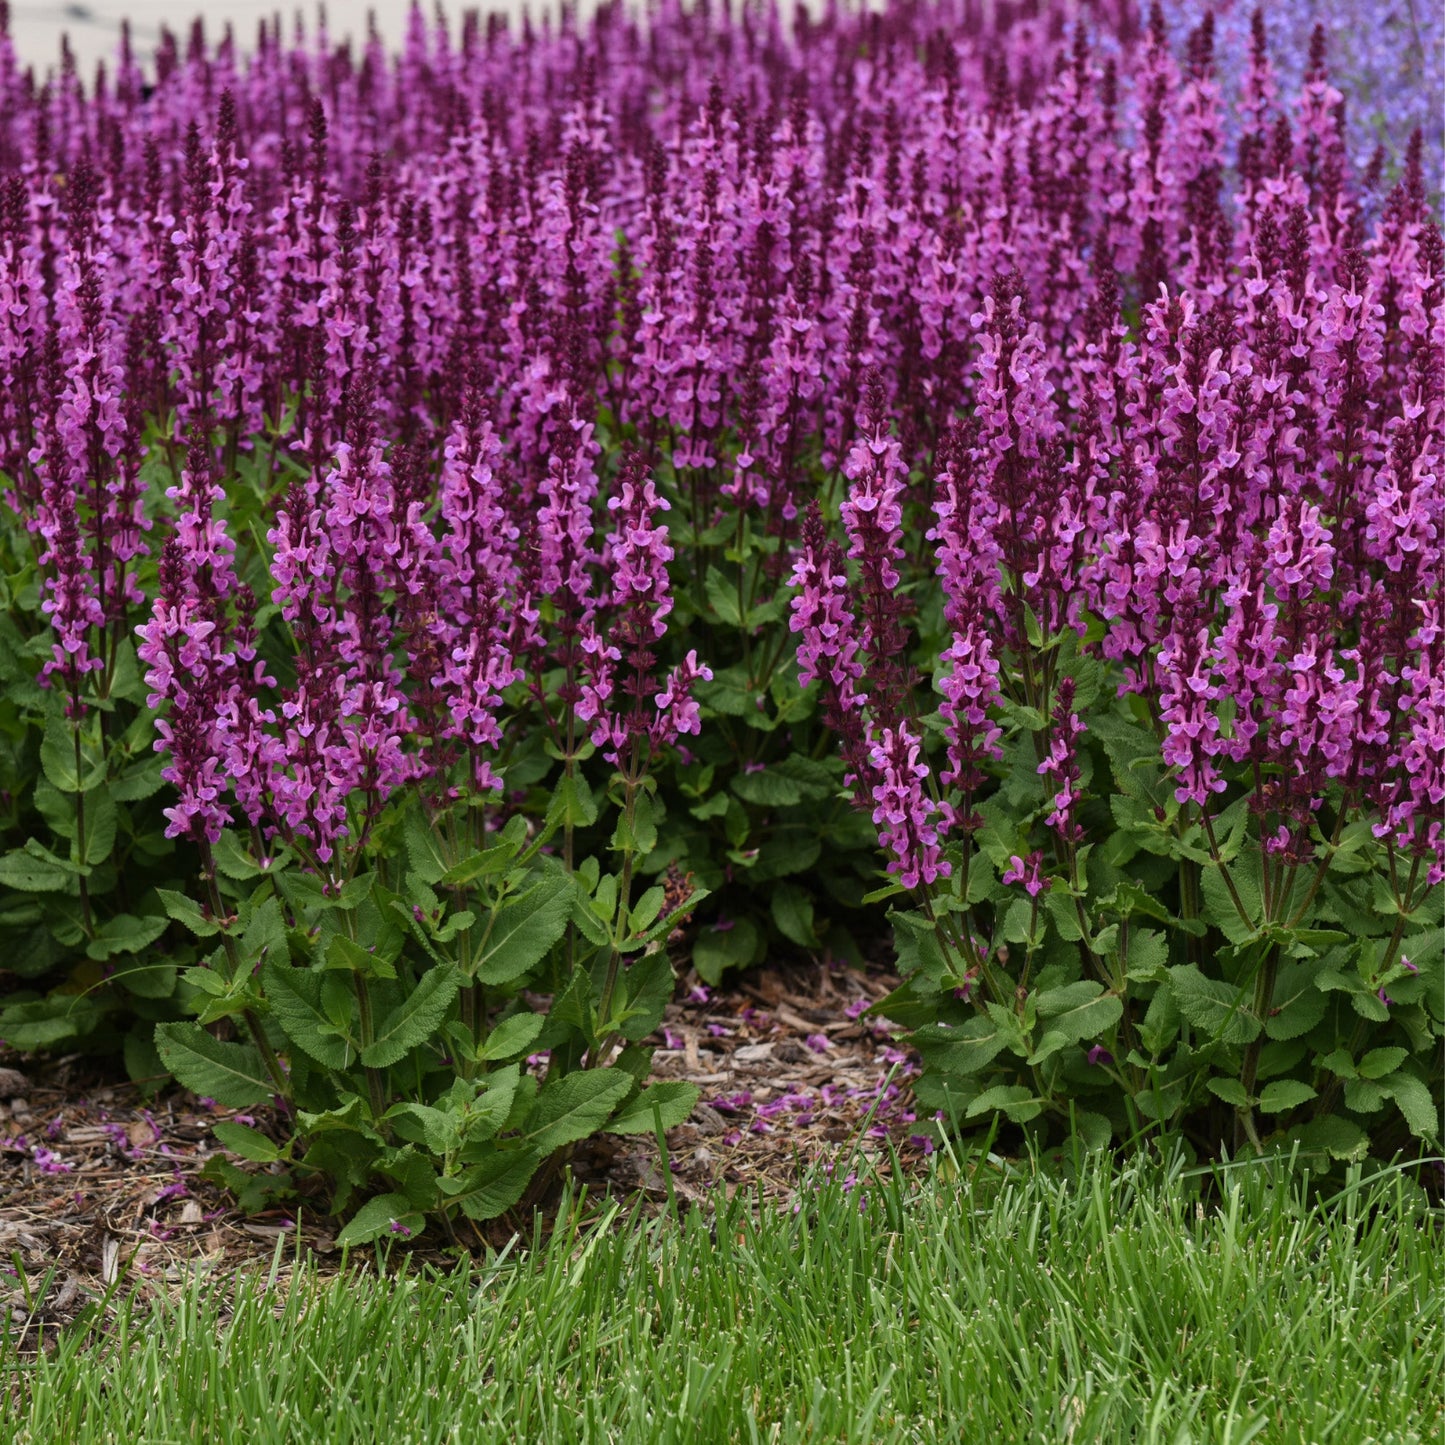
(987, 1301)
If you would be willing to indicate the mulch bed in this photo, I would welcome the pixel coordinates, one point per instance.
(101, 1185)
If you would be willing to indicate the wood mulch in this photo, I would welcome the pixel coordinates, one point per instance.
(100, 1185)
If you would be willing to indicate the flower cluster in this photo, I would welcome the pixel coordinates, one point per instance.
(1108, 313)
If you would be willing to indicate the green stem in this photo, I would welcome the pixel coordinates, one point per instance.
(631, 782)
(374, 1083)
(85, 912)
(249, 1016)
(368, 1037)
(1263, 993)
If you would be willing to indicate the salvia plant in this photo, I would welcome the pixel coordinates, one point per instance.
(482, 521)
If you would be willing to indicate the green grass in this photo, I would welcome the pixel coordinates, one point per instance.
(1014, 1307)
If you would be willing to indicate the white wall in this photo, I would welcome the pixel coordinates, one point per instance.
(94, 25)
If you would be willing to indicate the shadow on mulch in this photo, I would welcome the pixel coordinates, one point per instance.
(100, 1185)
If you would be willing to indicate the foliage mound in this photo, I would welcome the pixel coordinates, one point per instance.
(443, 460)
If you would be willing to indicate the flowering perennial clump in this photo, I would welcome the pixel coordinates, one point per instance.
(439, 460)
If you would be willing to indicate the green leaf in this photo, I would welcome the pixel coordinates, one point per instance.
(234, 859)
(139, 781)
(1092, 1130)
(572, 802)
(126, 933)
(424, 849)
(492, 1187)
(155, 979)
(43, 1023)
(1420, 1108)
(767, 789)
(187, 911)
(58, 758)
(231, 1074)
(439, 1129)
(376, 1217)
(792, 908)
(715, 949)
(345, 955)
(1212, 1006)
(1336, 1136)
(575, 1107)
(1298, 1003)
(963, 1050)
(512, 1037)
(644, 912)
(295, 997)
(1283, 1095)
(489, 1111)
(722, 597)
(486, 864)
(1017, 1102)
(673, 1101)
(1379, 1062)
(1080, 1010)
(1231, 1091)
(413, 1021)
(816, 780)
(248, 1143)
(27, 873)
(524, 929)
(1148, 956)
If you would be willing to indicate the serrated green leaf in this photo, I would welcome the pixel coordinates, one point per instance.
(231, 1074)
(722, 597)
(345, 955)
(1017, 1102)
(23, 871)
(126, 933)
(1212, 1006)
(575, 1107)
(188, 912)
(387, 1214)
(523, 930)
(413, 1021)
(767, 789)
(1148, 955)
(1335, 1136)
(1079, 1011)
(1284, 1094)
(1298, 1003)
(572, 803)
(58, 758)
(439, 1129)
(1092, 1130)
(966, 1049)
(139, 781)
(492, 1187)
(1220, 904)
(648, 985)
(792, 908)
(512, 1037)
(1379, 1062)
(296, 999)
(249, 1143)
(424, 849)
(672, 1100)
(233, 859)
(101, 821)
(1420, 1108)
(45, 1023)
(644, 912)
(1231, 1091)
